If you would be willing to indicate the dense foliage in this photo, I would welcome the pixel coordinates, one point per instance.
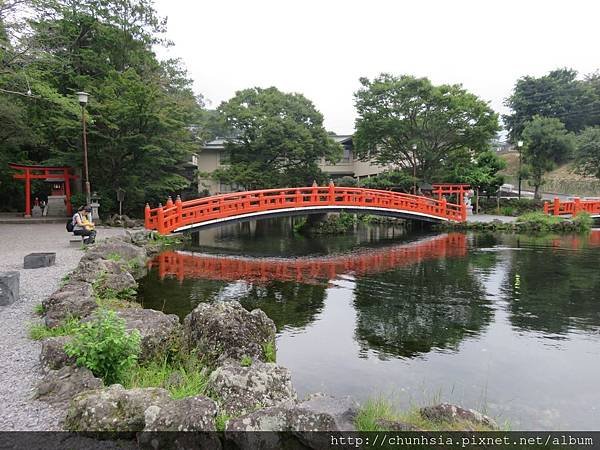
(277, 140)
(411, 123)
(143, 118)
(588, 151)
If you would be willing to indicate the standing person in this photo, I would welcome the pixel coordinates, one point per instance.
(83, 226)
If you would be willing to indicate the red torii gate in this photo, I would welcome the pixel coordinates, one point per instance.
(451, 189)
(34, 172)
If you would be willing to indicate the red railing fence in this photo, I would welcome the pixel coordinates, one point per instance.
(174, 215)
(572, 207)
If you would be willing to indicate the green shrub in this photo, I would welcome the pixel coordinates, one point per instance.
(104, 346)
(583, 221)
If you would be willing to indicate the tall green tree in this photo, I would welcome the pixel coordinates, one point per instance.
(544, 139)
(143, 117)
(277, 140)
(396, 114)
(558, 94)
(588, 151)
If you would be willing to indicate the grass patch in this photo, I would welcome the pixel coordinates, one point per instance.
(539, 218)
(221, 421)
(38, 331)
(270, 352)
(65, 280)
(39, 309)
(181, 378)
(373, 410)
(114, 257)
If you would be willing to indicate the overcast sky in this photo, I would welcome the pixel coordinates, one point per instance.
(321, 48)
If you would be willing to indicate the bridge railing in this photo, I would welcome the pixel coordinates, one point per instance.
(174, 215)
(574, 207)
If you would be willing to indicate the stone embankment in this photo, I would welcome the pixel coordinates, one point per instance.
(246, 389)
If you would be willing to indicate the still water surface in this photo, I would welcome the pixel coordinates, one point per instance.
(508, 324)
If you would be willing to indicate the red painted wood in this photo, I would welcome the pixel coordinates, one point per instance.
(166, 219)
(572, 208)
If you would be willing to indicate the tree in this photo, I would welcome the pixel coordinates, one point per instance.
(390, 180)
(397, 113)
(560, 95)
(544, 138)
(588, 151)
(278, 140)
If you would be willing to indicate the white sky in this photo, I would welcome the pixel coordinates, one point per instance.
(321, 48)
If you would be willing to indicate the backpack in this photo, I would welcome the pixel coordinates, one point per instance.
(70, 225)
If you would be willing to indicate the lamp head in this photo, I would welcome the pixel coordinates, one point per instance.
(519, 144)
(82, 97)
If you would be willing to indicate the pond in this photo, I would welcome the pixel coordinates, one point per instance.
(501, 323)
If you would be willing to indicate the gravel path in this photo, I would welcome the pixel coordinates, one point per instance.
(19, 356)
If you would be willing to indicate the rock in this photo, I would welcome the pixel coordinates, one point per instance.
(188, 414)
(157, 330)
(393, 425)
(223, 330)
(116, 283)
(113, 248)
(9, 288)
(342, 410)
(194, 414)
(113, 409)
(90, 270)
(141, 237)
(37, 260)
(60, 386)
(445, 412)
(243, 389)
(76, 299)
(53, 355)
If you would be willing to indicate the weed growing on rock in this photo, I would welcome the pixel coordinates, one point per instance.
(246, 361)
(40, 331)
(221, 421)
(270, 352)
(105, 347)
(114, 257)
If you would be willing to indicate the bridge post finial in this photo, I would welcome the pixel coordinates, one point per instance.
(331, 182)
(315, 183)
(169, 202)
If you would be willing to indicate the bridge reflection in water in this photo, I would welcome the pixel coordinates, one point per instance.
(184, 265)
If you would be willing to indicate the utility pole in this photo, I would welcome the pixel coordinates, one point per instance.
(83, 99)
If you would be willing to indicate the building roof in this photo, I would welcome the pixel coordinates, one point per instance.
(219, 143)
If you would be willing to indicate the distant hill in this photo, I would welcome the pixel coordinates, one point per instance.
(561, 180)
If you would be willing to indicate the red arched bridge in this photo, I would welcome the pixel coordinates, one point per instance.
(181, 216)
(182, 265)
(572, 207)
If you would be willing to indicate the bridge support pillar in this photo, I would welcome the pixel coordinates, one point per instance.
(195, 238)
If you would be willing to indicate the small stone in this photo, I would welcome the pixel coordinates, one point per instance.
(37, 260)
(9, 288)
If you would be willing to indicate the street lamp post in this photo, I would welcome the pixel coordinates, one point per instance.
(414, 150)
(83, 99)
(520, 146)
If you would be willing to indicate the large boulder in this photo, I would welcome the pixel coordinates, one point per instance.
(90, 270)
(113, 409)
(223, 330)
(188, 414)
(53, 355)
(116, 284)
(157, 330)
(141, 237)
(244, 389)
(60, 386)
(293, 426)
(75, 299)
(445, 412)
(116, 249)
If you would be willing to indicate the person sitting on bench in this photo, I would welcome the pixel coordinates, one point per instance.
(82, 226)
